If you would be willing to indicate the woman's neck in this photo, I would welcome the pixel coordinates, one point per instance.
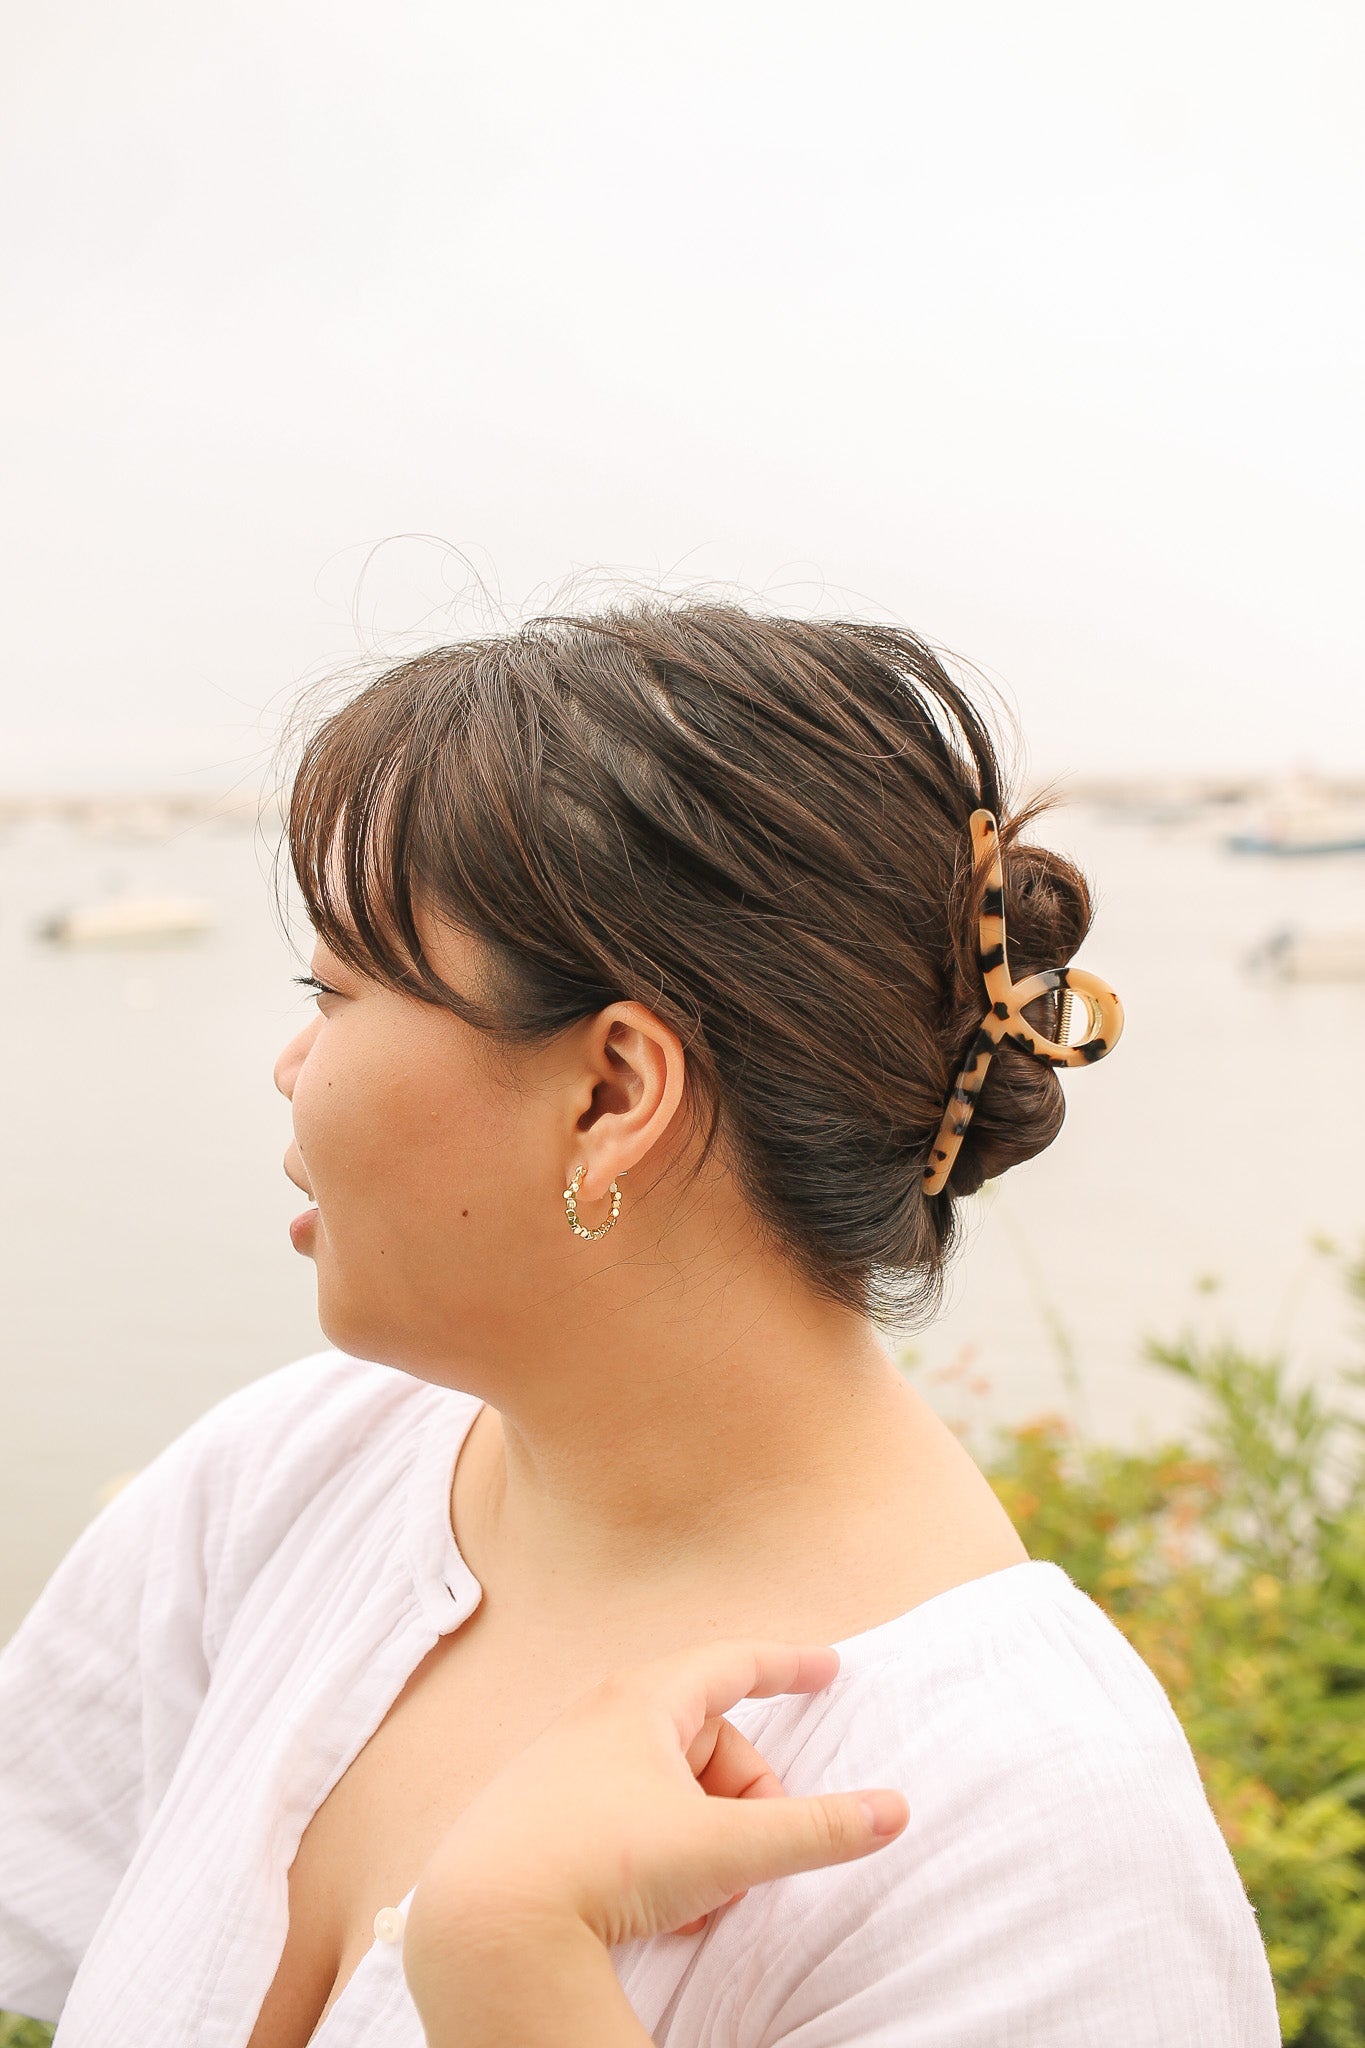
(653, 1453)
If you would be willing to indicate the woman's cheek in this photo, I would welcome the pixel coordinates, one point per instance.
(359, 1129)
(319, 1121)
(300, 1094)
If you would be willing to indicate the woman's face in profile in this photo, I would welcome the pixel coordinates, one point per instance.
(435, 1184)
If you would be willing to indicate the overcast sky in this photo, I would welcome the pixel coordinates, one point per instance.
(1038, 328)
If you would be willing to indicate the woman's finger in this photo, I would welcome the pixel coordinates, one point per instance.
(761, 1839)
(703, 1680)
(749, 1841)
(696, 1926)
(727, 1766)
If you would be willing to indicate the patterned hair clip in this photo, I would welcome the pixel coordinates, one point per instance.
(1005, 1023)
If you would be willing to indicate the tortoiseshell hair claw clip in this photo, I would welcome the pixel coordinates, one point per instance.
(1005, 1023)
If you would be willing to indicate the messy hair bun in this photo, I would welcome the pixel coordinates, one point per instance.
(1047, 914)
(758, 827)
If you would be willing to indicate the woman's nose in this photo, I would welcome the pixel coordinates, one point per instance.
(292, 1058)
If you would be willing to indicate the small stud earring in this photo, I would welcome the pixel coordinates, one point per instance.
(571, 1206)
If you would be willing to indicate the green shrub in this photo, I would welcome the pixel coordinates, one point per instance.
(17, 2033)
(1237, 1571)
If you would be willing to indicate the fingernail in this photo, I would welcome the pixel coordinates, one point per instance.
(883, 1810)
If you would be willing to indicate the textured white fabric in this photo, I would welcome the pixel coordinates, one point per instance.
(227, 1633)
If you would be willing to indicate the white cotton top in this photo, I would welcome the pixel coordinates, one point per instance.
(231, 1628)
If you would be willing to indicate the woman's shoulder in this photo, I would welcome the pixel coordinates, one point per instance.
(1012, 1711)
(326, 1384)
(191, 1529)
(1015, 1677)
(303, 1417)
(1027, 1630)
(1062, 1865)
(320, 1424)
(273, 1439)
(297, 1423)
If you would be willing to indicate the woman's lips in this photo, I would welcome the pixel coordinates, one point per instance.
(302, 1228)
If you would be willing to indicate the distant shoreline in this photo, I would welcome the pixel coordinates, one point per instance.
(171, 808)
(150, 808)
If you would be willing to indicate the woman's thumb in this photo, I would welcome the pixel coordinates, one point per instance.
(778, 1837)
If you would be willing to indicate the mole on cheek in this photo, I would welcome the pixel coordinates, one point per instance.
(464, 1212)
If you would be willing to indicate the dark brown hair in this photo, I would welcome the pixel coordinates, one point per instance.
(755, 825)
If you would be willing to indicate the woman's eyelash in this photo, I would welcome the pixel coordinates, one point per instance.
(310, 981)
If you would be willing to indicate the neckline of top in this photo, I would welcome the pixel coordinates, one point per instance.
(446, 1588)
(449, 1592)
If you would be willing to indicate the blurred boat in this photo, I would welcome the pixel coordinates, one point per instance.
(1301, 816)
(1297, 840)
(1288, 955)
(129, 920)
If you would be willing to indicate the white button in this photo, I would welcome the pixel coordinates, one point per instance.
(388, 1924)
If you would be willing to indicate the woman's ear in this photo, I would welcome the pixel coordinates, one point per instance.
(635, 1069)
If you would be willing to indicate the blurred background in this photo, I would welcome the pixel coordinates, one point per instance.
(330, 332)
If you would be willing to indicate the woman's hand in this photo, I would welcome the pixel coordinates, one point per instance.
(639, 1811)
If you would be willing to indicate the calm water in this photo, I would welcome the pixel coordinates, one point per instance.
(147, 1270)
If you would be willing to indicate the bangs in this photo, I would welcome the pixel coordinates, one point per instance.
(360, 841)
(420, 805)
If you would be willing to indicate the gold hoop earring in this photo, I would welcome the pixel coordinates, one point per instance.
(571, 1206)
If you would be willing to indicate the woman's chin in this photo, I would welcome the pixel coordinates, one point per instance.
(346, 1325)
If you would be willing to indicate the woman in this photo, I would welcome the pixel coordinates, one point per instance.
(467, 1678)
